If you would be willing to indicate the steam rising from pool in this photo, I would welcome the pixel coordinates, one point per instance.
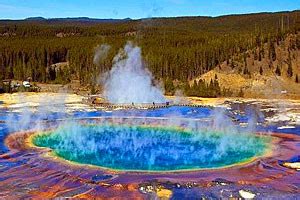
(116, 140)
(129, 81)
(124, 147)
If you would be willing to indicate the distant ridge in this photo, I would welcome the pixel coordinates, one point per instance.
(35, 19)
(87, 20)
(75, 19)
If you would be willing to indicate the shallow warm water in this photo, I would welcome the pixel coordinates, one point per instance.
(150, 148)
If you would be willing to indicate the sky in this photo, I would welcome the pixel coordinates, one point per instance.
(135, 9)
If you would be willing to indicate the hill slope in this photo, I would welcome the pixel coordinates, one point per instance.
(261, 73)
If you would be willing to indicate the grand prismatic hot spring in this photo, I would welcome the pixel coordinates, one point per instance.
(186, 151)
(140, 148)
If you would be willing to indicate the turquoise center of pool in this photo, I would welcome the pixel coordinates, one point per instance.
(145, 148)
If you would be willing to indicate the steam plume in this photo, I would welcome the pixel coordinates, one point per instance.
(129, 81)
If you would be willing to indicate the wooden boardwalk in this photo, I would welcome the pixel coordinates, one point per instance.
(105, 105)
(143, 106)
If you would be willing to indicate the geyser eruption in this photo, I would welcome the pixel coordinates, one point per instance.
(129, 81)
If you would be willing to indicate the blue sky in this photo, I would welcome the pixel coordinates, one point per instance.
(19, 9)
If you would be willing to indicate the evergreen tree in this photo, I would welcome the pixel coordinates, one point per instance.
(278, 71)
(261, 70)
(241, 93)
(290, 68)
(290, 71)
(169, 86)
(216, 77)
(272, 51)
(246, 71)
(259, 55)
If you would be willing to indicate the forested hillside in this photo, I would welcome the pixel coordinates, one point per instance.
(265, 71)
(176, 50)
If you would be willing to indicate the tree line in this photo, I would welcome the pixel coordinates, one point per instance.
(176, 49)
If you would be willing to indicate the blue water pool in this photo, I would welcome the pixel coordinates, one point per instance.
(127, 147)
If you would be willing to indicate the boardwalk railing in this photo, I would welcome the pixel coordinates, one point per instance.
(142, 105)
(91, 101)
